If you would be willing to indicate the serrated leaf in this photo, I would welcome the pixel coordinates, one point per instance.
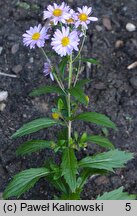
(34, 126)
(33, 146)
(101, 141)
(90, 60)
(46, 89)
(69, 168)
(23, 181)
(107, 161)
(78, 93)
(96, 118)
(117, 194)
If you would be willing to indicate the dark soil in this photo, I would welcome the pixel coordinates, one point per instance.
(113, 90)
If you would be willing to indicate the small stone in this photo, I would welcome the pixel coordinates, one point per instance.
(2, 106)
(3, 95)
(15, 48)
(119, 43)
(1, 48)
(130, 27)
(107, 23)
(133, 82)
(31, 60)
(16, 69)
(98, 28)
(24, 115)
(102, 180)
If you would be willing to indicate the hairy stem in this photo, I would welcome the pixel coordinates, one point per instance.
(79, 55)
(69, 99)
(84, 38)
(78, 72)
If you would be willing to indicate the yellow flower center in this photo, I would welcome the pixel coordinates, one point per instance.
(36, 36)
(57, 12)
(65, 41)
(83, 17)
(55, 116)
(70, 20)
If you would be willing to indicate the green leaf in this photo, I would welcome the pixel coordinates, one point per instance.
(46, 89)
(107, 161)
(60, 104)
(96, 118)
(34, 126)
(33, 146)
(81, 83)
(78, 93)
(72, 196)
(90, 60)
(23, 181)
(59, 184)
(69, 168)
(100, 140)
(117, 194)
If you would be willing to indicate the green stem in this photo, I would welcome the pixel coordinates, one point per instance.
(78, 72)
(46, 57)
(80, 47)
(69, 97)
(79, 55)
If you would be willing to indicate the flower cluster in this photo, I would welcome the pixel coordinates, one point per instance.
(69, 27)
(65, 39)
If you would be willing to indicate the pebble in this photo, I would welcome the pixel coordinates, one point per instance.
(1, 48)
(119, 43)
(133, 82)
(2, 106)
(130, 27)
(15, 48)
(3, 95)
(107, 23)
(16, 69)
(31, 60)
(102, 180)
(98, 28)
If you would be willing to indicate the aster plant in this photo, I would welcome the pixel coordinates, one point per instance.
(66, 31)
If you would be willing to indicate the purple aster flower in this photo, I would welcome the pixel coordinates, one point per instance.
(47, 71)
(84, 18)
(57, 13)
(73, 17)
(35, 36)
(64, 42)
